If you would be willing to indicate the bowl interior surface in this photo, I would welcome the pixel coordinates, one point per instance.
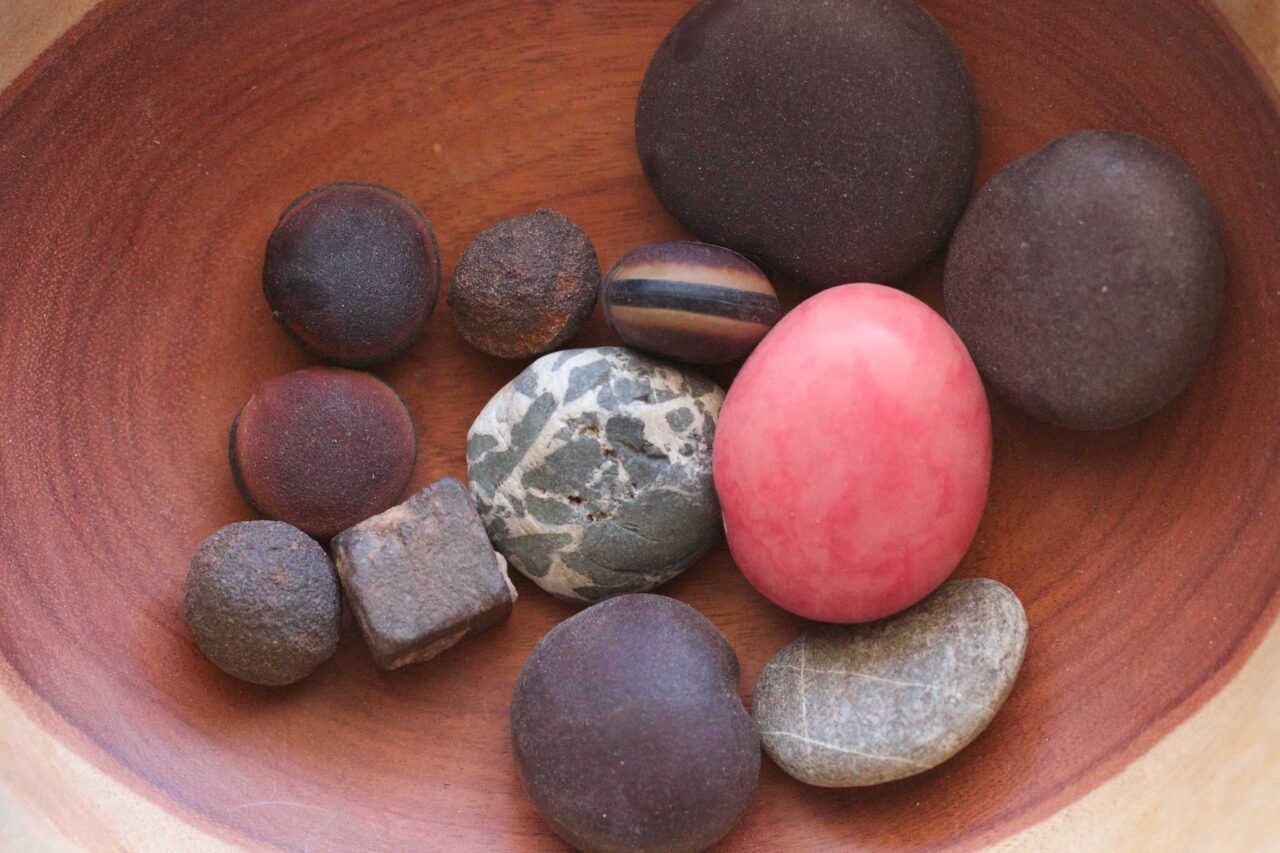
(143, 161)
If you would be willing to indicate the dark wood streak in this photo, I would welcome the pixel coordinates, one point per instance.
(143, 162)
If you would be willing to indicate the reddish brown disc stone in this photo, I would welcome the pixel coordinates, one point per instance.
(323, 448)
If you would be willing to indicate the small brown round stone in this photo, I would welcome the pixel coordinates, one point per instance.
(847, 706)
(262, 602)
(323, 448)
(1087, 280)
(831, 142)
(629, 734)
(352, 272)
(525, 286)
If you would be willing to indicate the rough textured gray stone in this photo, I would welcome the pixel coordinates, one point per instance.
(592, 471)
(262, 602)
(866, 704)
(422, 576)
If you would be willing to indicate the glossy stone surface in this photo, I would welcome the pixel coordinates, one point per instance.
(262, 602)
(863, 705)
(323, 448)
(422, 576)
(690, 302)
(1087, 280)
(628, 731)
(853, 456)
(828, 141)
(592, 471)
(352, 272)
(525, 286)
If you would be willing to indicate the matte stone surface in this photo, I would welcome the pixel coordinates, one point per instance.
(525, 286)
(830, 141)
(323, 448)
(689, 301)
(851, 706)
(592, 471)
(352, 272)
(1087, 280)
(853, 456)
(628, 731)
(262, 602)
(422, 576)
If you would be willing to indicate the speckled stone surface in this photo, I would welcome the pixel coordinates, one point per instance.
(831, 142)
(628, 731)
(863, 705)
(592, 471)
(422, 576)
(525, 286)
(262, 602)
(1087, 280)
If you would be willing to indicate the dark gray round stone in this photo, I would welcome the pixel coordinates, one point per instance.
(1087, 279)
(861, 705)
(832, 142)
(592, 471)
(628, 731)
(262, 602)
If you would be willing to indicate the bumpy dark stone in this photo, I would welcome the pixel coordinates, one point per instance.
(1087, 280)
(866, 704)
(628, 731)
(323, 448)
(832, 142)
(262, 602)
(525, 286)
(422, 576)
(352, 272)
(592, 471)
(689, 301)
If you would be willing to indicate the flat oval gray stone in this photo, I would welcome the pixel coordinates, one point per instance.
(847, 706)
(592, 471)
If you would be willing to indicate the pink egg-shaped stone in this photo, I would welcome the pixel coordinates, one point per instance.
(853, 456)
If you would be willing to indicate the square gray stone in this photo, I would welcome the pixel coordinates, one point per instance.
(422, 576)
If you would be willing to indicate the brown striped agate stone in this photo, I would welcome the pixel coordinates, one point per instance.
(690, 302)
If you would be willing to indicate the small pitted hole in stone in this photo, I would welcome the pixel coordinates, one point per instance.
(597, 516)
(575, 500)
(588, 429)
(609, 452)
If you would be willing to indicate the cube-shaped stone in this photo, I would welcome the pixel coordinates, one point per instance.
(422, 576)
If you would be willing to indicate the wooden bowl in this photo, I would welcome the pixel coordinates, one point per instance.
(144, 157)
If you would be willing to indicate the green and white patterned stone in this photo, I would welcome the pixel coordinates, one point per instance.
(592, 471)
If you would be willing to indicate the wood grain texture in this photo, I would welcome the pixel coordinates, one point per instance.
(143, 159)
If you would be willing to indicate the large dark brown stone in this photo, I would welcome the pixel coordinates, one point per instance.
(1087, 280)
(629, 734)
(831, 142)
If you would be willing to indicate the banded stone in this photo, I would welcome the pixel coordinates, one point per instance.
(689, 301)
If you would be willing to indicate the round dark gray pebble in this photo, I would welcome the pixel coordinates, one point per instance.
(866, 704)
(592, 471)
(262, 602)
(525, 286)
(1087, 280)
(832, 142)
(628, 731)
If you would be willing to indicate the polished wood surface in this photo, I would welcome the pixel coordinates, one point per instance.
(145, 150)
